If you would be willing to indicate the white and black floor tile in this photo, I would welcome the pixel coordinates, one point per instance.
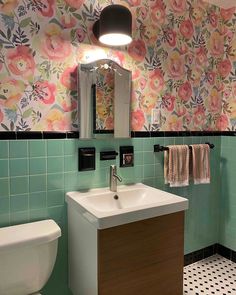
(213, 275)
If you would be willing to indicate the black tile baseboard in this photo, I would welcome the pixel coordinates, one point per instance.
(199, 254)
(209, 251)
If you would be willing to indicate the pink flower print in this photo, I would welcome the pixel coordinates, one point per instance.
(21, 61)
(178, 6)
(222, 122)
(137, 120)
(137, 50)
(224, 68)
(186, 29)
(185, 91)
(69, 78)
(45, 91)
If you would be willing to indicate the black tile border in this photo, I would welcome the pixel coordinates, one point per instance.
(28, 135)
(209, 251)
(14, 135)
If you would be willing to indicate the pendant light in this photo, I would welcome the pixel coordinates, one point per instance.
(114, 27)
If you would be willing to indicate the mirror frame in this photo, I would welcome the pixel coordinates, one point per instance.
(86, 96)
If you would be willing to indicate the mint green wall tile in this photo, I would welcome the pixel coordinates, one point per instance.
(100, 177)
(47, 200)
(159, 140)
(169, 141)
(70, 147)
(55, 148)
(149, 181)
(138, 144)
(86, 179)
(131, 173)
(37, 166)
(187, 140)
(37, 183)
(55, 198)
(4, 168)
(159, 171)
(159, 158)
(90, 143)
(148, 144)
(19, 203)
(55, 181)
(71, 181)
(104, 146)
(71, 163)
(4, 220)
(228, 193)
(37, 148)
(4, 205)
(18, 149)
(138, 158)
(19, 217)
(57, 213)
(178, 140)
(38, 214)
(159, 183)
(55, 164)
(196, 139)
(106, 164)
(149, 171)
(18, 167)
(37, 200)
(4, 146)
(4, 187)
(148, 157)
(19, 185)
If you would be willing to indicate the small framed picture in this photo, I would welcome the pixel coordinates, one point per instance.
(128, 160)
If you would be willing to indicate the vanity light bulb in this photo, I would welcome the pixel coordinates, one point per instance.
(115, 39)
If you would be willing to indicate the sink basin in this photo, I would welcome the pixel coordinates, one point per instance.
(130, 203)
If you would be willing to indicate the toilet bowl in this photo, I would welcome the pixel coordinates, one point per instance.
(27, 256)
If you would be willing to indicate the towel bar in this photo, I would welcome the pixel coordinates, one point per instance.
(159, 148)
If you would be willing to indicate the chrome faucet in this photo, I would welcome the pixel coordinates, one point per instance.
(113, 178)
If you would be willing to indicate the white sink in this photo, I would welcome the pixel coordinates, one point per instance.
(130, 203)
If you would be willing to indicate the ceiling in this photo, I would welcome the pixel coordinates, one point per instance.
(223, 3)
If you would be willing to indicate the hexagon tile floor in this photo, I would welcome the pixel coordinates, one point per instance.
(213, 275)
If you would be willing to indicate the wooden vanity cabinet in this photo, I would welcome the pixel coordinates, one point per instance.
(142, 258)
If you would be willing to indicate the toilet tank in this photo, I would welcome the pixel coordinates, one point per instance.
(27, 256)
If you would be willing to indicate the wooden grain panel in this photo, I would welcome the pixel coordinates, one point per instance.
(142, 258)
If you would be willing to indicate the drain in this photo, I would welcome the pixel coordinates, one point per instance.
(116, 197)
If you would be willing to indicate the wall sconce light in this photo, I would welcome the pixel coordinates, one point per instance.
(114, 27)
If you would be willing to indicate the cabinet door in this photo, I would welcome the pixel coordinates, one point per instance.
(142, 258)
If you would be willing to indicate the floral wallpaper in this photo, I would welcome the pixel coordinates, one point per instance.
(183, 62)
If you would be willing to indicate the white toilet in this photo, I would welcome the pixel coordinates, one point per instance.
(27, 256)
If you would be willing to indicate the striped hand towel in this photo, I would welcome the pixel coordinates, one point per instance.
(176, 165)
(200, 163)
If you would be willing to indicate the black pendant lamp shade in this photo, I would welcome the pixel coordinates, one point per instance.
(114, 26)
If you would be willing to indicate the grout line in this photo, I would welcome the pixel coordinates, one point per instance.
(27, 147)
(9, 186)
(46, 154)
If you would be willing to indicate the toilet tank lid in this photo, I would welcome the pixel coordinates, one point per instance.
(29, 234)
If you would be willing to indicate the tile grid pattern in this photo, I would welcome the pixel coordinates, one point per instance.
(213, 275)
(35, 174)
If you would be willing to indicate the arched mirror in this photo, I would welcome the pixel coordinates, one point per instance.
(104, 100)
